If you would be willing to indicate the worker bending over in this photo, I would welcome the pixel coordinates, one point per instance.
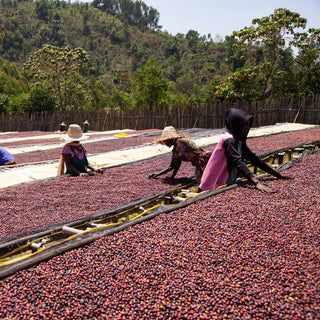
(228, 159)
(184, 149)
(6, 158)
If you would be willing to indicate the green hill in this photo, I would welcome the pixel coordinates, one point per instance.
(116, 45)
(125, 46)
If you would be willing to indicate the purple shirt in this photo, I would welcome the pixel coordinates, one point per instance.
(80, 154)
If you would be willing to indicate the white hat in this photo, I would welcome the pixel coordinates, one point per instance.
(168, 133)
(74, 133)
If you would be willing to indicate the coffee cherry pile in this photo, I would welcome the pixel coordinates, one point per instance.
(241, 254)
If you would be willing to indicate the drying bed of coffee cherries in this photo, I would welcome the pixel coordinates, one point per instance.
(29, 143)
(287, 139)
(92, 147)
(122, 143)
(37, 206)
(22, 134)
(241, 254)
(50, 137)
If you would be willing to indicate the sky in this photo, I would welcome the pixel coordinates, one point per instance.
(222, 17)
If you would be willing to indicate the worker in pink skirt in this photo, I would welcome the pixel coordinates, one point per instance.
(228, 159)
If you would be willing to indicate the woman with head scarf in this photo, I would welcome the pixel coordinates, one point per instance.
(74, 154)
(184, 149)
(228, 159)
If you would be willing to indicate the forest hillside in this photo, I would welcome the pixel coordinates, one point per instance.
(58, 55)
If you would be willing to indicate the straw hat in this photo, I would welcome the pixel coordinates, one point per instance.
(86, 122)
(62, 124)
(74, 133)
(167, 134)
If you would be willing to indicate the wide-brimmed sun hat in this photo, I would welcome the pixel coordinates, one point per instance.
(62, 124)
(86, 122)
(168, 133)
(74, 133)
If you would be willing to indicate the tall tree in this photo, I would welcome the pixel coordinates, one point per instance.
(63, 68)
(149, 85)
(308, 63)
(274, 33)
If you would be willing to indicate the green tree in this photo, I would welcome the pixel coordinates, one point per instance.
(170, 48)
(234, 57)
(41, 98)
(284, 81)
(308, 63)
(11, 82)
(244, 84)
(149, 84)
(19, 103)
(209, 91)
(43, 8)
(98, 93)
(63, 69)
(4, 102)
(193, 38)
(14, 45)
(273, 33)
(153, 18)
(120, 98)
(185, 82)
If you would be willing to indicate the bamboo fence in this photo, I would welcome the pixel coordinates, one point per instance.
(305, 109)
